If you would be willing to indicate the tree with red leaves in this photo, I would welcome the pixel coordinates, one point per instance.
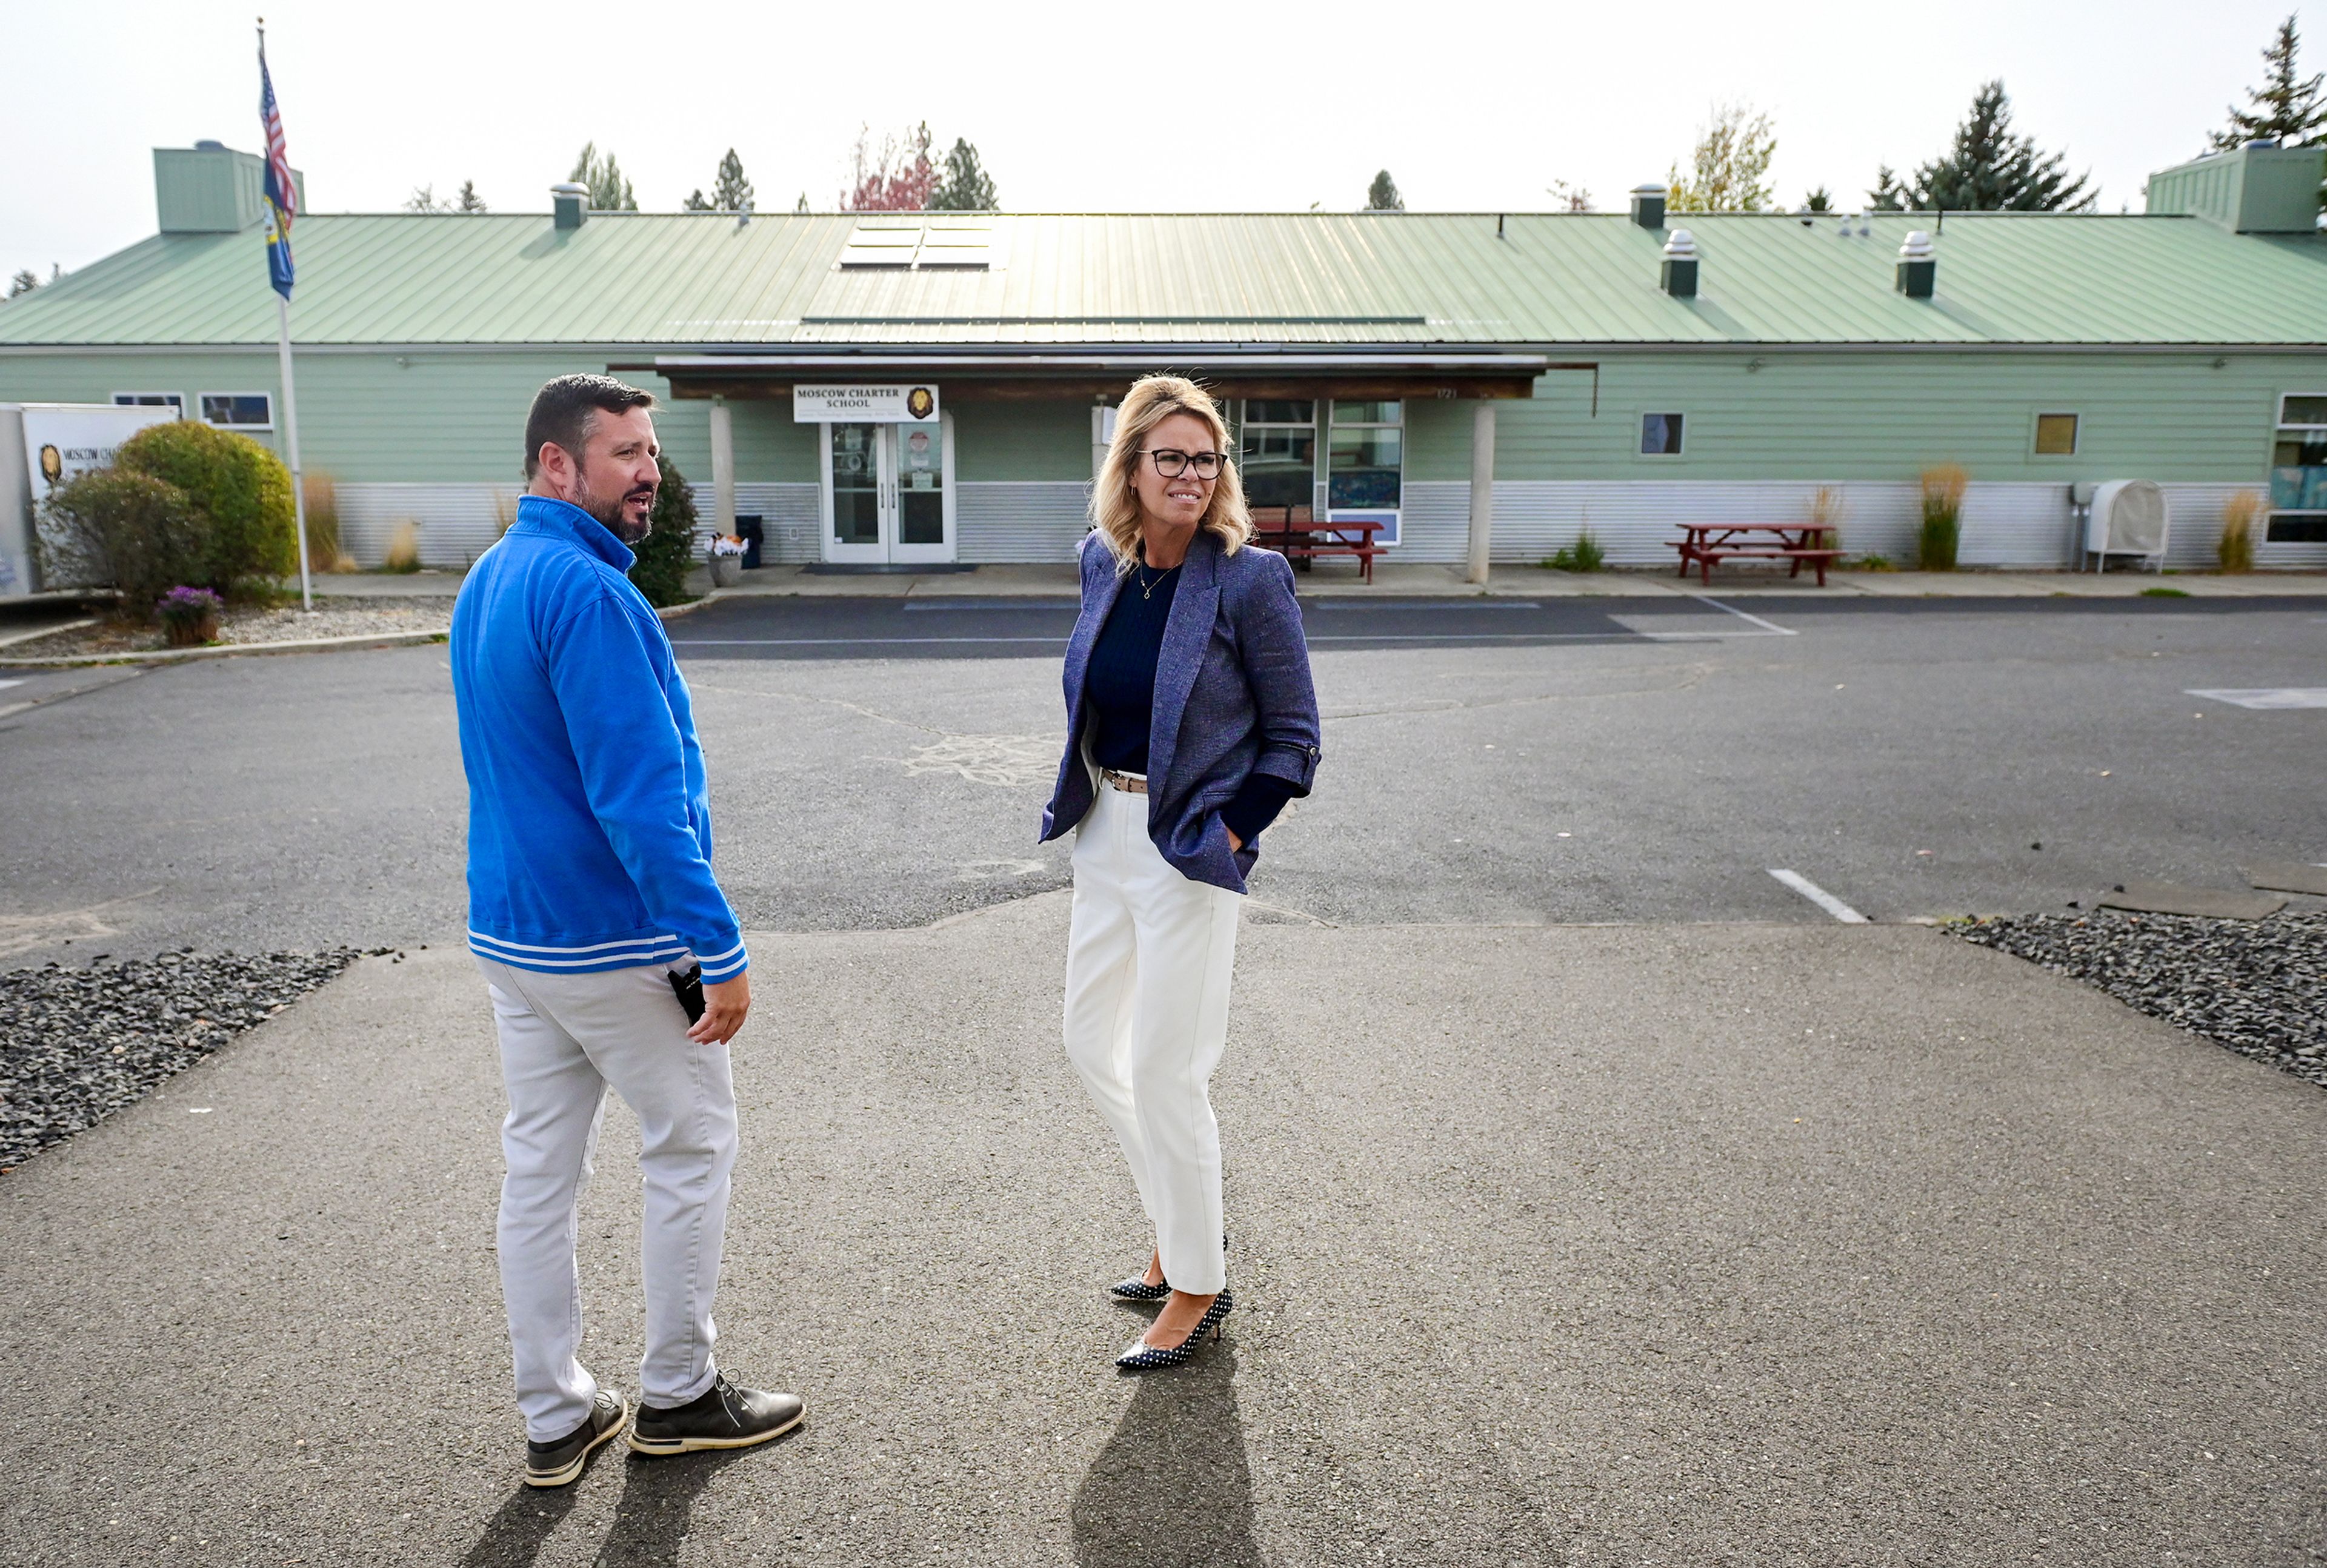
(896, 176)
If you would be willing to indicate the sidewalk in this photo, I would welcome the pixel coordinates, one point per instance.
(1336, 580)
(1595, 1245)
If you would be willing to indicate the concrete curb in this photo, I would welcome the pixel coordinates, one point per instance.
(231, 649)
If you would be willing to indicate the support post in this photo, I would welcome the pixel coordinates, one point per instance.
(291, 440)
(723, 467)
(1483, 488)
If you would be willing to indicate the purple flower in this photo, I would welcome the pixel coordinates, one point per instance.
(183, 603)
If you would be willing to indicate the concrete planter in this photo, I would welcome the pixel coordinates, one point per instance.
(726, 570)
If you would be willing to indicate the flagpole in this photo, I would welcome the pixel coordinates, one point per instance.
(291, 433)
(279, 229)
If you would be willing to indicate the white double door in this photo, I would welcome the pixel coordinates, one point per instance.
(887, 493)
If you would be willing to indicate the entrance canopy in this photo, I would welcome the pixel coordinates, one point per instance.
(1048, 372)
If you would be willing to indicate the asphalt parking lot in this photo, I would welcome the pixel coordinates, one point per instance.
(878, 765)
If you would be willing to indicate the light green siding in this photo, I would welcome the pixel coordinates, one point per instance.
(1877, 417)
(769, 447)
(1024, 441)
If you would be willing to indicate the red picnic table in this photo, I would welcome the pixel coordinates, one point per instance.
(1294, 533)
(1705, 544)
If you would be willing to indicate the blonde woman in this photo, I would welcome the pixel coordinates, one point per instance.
(1190, 722)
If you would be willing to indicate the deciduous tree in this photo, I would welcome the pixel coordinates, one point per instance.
(1729, 170)
(893, 176)
(1382, 195)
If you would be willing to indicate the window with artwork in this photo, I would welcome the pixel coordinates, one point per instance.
(2056, 435)
(1366, 458)
(1660, 435)
(2298, 471)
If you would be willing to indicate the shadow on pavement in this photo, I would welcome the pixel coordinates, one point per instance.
(650, 1516)
(1171, 1487)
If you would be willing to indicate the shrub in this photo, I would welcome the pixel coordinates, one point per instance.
(2239, 513)
(142, 535)
(1584, 556)
(242, 492)
(667, 553)
(1943, 493)
(403, 547)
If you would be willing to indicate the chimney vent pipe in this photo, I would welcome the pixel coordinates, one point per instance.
(1649, 206)
(572, 200)
(1677, 275)
(1919, 265)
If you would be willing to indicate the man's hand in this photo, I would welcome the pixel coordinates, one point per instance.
(724, 1005)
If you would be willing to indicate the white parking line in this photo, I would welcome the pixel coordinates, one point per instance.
(2264, 696)
(1820, 897)
(4, 683)
(1771, 627)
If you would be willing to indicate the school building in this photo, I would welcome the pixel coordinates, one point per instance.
(937, 387)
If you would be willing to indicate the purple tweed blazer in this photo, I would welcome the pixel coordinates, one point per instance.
(1233, 697)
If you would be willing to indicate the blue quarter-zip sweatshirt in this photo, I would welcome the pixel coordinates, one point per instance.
(589, 813)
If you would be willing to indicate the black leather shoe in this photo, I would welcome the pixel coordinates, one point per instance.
(723, 1416)
(557, 1464)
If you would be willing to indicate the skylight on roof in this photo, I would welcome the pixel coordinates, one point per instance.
(971, 244)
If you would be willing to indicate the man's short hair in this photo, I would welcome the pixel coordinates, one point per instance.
(564, 408)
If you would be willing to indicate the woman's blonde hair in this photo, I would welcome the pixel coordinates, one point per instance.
(1115, 504)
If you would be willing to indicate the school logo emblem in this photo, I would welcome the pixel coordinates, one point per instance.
(52, 465)
(919, 401)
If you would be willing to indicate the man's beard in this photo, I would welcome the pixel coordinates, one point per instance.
(614, 513)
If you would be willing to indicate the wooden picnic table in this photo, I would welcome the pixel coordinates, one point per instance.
(1296, 533)
(1803, 544)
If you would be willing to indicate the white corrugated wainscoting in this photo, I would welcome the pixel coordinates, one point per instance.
(2004, 525)
(790, 518)
(456, 523)
(1003, 521)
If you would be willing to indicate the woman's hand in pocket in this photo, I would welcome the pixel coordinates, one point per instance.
(1234, 841)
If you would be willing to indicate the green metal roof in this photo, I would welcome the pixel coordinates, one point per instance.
(1309, 278)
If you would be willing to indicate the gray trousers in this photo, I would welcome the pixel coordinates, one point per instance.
(565, 1041)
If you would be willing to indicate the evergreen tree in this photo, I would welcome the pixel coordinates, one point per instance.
(2284, 108)
(469, 200)
(1382, 196)
(1729, 170)
(731, 192)
(695, 203)
(1819, 200)
(800, 205)
(1888, 195)
(964, 185)
(1991, 170)
(608, 190)
(23, 283)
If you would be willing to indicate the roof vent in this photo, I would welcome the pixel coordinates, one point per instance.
(1649, 206)
(572, 202)
(1678, 276)
(1919, 265)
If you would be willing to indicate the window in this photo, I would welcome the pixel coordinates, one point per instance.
(176, 400)
(1276, 452)
(238, 410)
(2056, 435)
(1660, 435)
(1366, 456)
(2298, 473)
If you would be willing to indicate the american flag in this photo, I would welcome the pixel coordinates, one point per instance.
(281, 193)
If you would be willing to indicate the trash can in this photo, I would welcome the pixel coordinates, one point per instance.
(747, 528)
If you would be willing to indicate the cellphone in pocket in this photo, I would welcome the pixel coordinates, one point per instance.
(688, 987)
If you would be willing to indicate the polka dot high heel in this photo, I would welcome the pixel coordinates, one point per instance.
(1142, 1357)
(1138, 1292)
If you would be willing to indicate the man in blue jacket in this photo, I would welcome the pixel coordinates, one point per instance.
(592, 908)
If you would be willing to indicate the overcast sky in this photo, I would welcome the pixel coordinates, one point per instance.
(1259, 104)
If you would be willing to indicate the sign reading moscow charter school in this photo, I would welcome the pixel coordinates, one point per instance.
(901, 404)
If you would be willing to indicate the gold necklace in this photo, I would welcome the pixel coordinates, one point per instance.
(1147, 589)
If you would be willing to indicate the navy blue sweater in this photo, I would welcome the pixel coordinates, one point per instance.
(1121, 690)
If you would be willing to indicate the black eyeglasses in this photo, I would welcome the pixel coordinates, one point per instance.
(1172, 464)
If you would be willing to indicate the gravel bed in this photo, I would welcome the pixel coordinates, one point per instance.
(76, 1045)
(2257, 987)
(244, 625)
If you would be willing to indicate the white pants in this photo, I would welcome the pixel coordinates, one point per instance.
(564, 1040)
(1149, 956)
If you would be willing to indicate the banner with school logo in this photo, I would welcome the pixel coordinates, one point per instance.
(906, 403)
